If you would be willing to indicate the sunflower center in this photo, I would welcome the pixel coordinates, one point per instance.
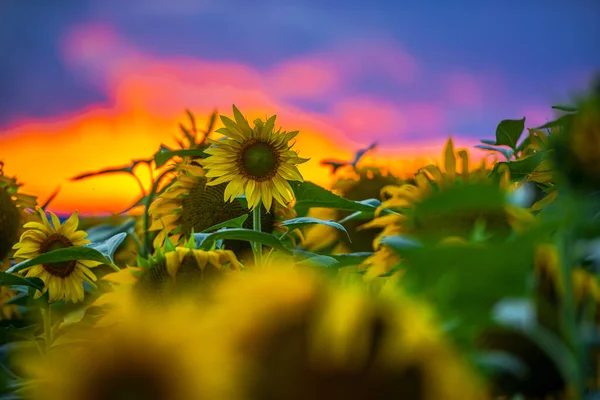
(205, 207)
(461, 224)
(259, 160)
(143, 383)
(9, 223)
(61, 269)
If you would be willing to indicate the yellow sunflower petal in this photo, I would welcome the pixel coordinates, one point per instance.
(70, 225)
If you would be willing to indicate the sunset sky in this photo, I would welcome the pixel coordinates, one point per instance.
(86, 84)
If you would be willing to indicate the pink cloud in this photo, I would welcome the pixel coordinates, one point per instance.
(365, 118)
(425, 119)
(473, 90)
(304, 78)
(383, 57)
(361, 116)
(327, 71)
(463, 90)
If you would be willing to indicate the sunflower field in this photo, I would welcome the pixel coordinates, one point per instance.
(240, 280)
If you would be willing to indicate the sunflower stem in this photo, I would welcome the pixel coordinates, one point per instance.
(257, 247)
(568, 314)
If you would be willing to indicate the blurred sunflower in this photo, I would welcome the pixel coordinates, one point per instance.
(551, 288)
(257, 162)
(170, 274)
(577, 149)
(150, 354)
(13, 215)
(431, 180)
(310, 339)
(62, 280)
(190, 204)
(355, 184)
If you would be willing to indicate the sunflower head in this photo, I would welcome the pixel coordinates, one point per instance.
(367, 184)
(13, 213)
(177, 270)
(62, 280)
(255, 161)
(151, 354)
(577, 148)
(312, 339)
(190, 205)
(433, 181)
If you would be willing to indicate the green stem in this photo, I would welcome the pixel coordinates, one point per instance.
(146, 217)
(257, 247)
(47, 321)
(568, 314)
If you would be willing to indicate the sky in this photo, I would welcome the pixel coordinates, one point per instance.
(86, 84)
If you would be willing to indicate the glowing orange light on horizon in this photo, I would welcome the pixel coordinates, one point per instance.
(148, 100)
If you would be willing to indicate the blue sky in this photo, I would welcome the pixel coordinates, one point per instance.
(538, 52)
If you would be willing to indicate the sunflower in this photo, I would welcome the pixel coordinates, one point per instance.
(151, 354)
(62, 280)
(431, 180)
(257, 162)
(13, 214)
(191, 205)
(180, 270)
(551, 287)
(577, 149)
(314, 339)
(358, 184)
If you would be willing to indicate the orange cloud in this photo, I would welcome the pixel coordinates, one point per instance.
(148, 99)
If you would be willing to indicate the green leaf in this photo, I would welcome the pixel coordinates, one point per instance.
(109, 246)
(487, 141)
(20, 299)
(467, 280)
(309, 195)
(351, 259)
(399, 243)
(7, 279)
(230, 223)
(101, 252)
(314, 259)
(565, 108)
(472, 196)
(519, 169)
(507, 153)
(61, 255)
(249, 235)
(295, 223)
(565, 119)
(106, 231)
(509, 132)
(12, 333)
(161, 157)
